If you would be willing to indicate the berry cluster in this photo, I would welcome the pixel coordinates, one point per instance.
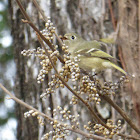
(49, 30)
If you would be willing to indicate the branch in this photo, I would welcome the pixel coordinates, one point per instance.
(45, 19)
(112, 15)
(23, 10)
(87, 135)
(23, 103)
(128, 136)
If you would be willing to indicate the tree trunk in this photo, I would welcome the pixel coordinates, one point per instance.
(26, 87)
(128, 39)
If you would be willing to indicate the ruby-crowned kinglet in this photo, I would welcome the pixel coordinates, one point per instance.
(88, 54)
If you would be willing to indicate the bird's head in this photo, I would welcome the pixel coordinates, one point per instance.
(71, 38)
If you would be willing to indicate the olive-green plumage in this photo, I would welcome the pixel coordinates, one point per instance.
(89, 54)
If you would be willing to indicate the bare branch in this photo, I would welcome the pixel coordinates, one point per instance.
(23, 103)
(112, 15)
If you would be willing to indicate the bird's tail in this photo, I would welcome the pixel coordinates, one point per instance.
(118, 68)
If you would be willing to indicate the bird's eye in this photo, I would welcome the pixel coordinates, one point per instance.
(72, 37)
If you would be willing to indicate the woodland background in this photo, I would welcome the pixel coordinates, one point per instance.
(92, 19)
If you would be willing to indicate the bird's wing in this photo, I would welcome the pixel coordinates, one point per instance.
(100, 45)
(96, 53)
(90, 45)
(87, 45)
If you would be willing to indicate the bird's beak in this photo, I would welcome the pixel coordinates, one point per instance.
(63, 38)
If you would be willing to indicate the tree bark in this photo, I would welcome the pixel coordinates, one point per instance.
(26, 87)
(128, 39)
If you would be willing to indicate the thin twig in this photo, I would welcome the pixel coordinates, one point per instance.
(112, 15)
(128, 136)
(45, 19)
(121, 58)
(40, 10)
(23, 10)
(87, 135)
(24, 104)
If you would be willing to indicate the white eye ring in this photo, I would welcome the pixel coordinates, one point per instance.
(73, 37)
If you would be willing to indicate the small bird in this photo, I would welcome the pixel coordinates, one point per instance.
(88, 54)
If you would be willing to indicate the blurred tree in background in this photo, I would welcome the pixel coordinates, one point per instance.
(7, 73)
